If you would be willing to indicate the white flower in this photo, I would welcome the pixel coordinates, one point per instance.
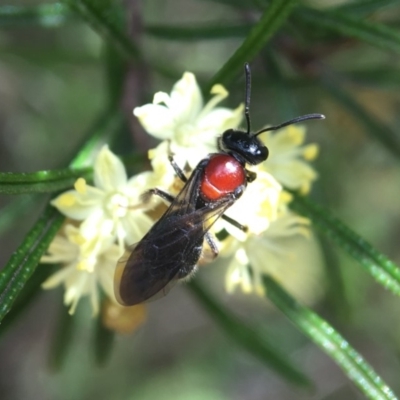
(287, 160)
(87, 264)
(277, 242)
(163, 175)
(256, 209)
(287, 252)
(181, 118)
(113, 207)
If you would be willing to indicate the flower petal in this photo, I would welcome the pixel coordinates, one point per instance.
(257, 207)
(288, 159)
(300, 270)
(61, 250)
(220, 119)
(284, 139)
(106, 270)
(186, 99)
(192, 155)
(139, 184)
(136, 225)
(96, 223)
(77, 205)
(76, 286)
(94, 297)
(163, 174)
(58, 277)
(157, 120)
(109, 172)
(238, 273)
(294, 174)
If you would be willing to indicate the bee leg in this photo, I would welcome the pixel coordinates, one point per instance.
(213, 246)
(157, 192)
(234, 223)
(250, 176)
(177, 169)
(169, 198)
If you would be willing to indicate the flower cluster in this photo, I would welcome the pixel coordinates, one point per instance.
(112, 215)
(191, 130)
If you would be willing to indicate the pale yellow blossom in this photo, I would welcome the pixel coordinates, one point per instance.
(112, 207)
(183, 119)
(287, 251)
(86, 266)
(256, 209)
(277, 242)
(289, 158)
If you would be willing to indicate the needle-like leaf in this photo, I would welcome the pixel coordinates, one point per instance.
(331, 342)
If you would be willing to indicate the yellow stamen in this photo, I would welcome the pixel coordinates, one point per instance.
(310, 152)
(285, 197)
(84, 265)
(295, 135)
(151, 153)
(218, 89)
(220, 94)
(80, 186)
(305, 188)
(65, 200)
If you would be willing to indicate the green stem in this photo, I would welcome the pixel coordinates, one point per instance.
(272, 19)
(104, 19)
(331, 342)
(41, 181)
(382, 269)
(44, 15)
(25, 259)
(253, 341)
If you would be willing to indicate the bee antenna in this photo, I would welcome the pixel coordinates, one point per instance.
(247, 74)
(290, 122)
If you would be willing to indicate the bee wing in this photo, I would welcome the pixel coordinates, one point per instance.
(169, 251)
(135, 280)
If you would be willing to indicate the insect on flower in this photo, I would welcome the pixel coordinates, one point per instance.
(172, 248)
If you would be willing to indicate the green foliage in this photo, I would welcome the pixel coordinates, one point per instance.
(375, 34)
(273, 17)
(41, 181)
(44, 15)
(255, 342)
(25, 260)
(380, 267)
(330, 341)
(106, 20)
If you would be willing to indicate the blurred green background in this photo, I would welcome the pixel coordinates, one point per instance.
(59, 77)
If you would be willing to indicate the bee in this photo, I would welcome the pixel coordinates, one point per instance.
(170, 251)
